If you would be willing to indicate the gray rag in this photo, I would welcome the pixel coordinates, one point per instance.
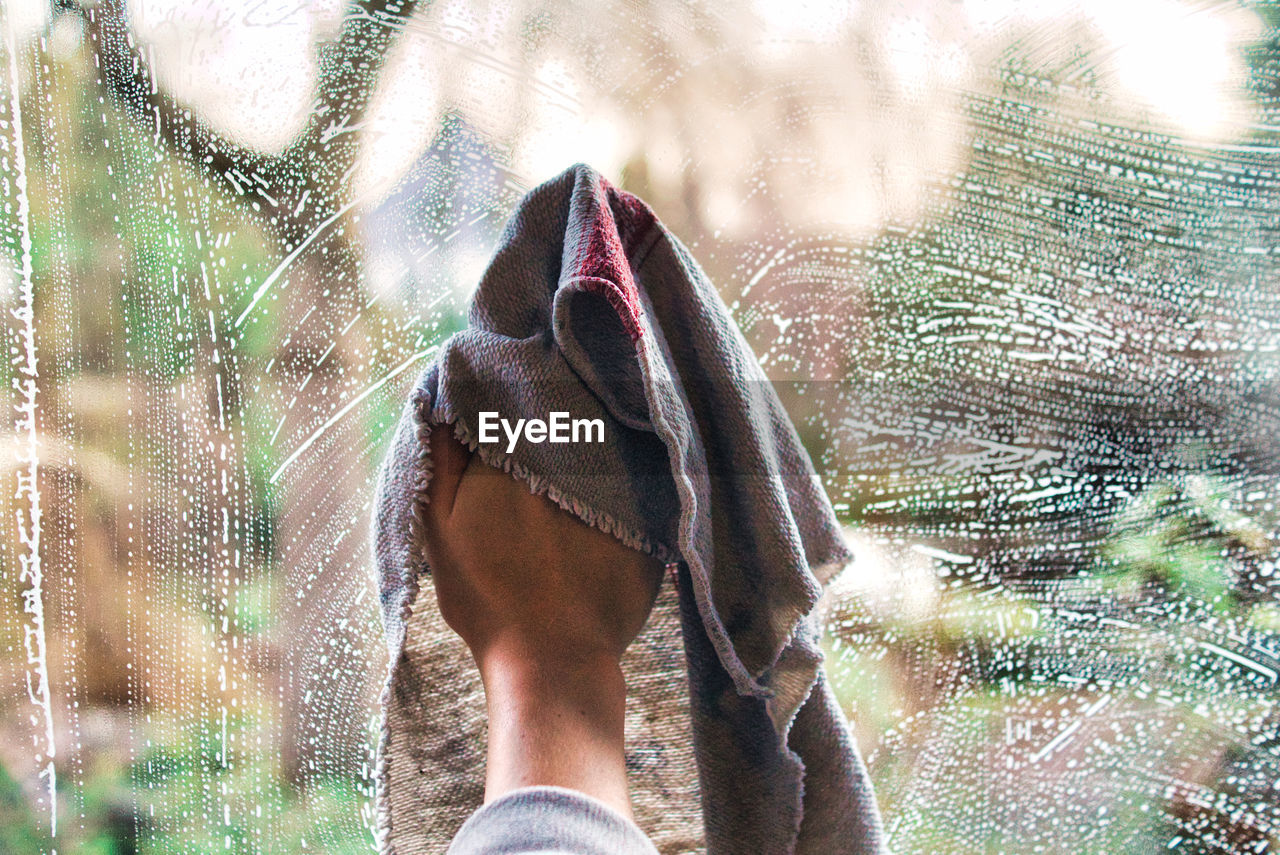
(591, 307)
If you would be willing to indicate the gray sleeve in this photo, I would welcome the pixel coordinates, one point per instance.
(549, 821)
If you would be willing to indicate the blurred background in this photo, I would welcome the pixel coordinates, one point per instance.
(1012, 265)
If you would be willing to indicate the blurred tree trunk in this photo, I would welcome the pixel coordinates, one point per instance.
(302, 198)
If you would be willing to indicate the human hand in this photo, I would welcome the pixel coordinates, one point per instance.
(547, 605)
(513, 571)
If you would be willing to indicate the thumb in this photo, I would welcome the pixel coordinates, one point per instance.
(449, 459)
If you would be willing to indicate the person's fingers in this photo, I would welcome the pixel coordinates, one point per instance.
(449, 459)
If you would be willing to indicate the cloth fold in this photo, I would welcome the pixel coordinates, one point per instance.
(591, 307)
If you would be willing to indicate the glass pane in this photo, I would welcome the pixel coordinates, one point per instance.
(1012, 267)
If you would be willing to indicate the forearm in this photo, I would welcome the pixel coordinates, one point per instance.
(556, 721)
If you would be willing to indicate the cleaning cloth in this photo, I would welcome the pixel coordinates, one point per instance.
(591, 309)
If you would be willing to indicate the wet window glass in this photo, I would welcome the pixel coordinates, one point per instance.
(1010, 265)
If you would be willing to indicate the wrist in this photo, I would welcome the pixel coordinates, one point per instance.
(525, 685)
(526, 656)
